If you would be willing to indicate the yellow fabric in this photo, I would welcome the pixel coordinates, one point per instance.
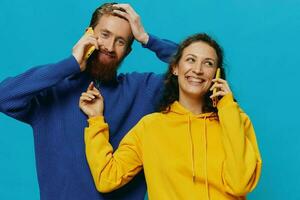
(184, 156)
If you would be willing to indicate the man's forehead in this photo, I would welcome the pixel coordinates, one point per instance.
(114, 24)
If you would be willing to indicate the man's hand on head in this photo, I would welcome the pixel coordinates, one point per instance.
(134, 20)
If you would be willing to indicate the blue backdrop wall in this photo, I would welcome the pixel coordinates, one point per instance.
(261, 43)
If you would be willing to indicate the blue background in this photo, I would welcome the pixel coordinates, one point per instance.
(261, 43)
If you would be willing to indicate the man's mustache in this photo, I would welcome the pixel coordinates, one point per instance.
(112, 54)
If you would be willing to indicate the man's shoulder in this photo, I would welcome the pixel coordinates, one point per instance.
(139, 75)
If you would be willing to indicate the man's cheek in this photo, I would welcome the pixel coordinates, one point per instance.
(122, 55)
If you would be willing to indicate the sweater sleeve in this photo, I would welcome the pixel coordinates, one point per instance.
(242, 165)
(153, 87)
(19, 94)
(164, 49)
(110, 170)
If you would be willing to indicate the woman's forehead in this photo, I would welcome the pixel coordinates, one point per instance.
(200, 49)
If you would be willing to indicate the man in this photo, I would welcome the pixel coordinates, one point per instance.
(46, 97)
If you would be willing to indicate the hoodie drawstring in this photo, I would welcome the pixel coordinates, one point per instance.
(192, 154)
(205, 146)
(192, 149)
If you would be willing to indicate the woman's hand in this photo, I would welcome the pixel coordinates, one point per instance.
(222, 88)
(91, 102)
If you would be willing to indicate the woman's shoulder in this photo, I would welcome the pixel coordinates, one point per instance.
(149, 122)
(149, 118)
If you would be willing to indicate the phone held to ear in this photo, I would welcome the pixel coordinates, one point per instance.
(90, 49)
(215, 99)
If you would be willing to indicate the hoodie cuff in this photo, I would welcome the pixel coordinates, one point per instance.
(225, 101)
(98, 120)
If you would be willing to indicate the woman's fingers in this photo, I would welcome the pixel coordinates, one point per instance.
(96, 90)
(85, 98)
(217, 94)
(219, 80)
(91, 86)
(216, 86)
(93, 93)
(220, 88)
(221, 84)
(93, 89)
(88, 96)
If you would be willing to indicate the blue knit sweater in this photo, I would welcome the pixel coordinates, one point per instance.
(46, 97)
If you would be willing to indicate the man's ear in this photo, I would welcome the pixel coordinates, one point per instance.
(128, 51)
(175, 70)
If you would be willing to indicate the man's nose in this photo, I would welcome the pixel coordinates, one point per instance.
(109, 45)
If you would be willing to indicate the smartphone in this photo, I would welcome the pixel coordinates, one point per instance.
(91, 48)
(215, 99)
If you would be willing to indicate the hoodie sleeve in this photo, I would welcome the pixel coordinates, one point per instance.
(19, 95)
(164, 49)
(110, 170)
(242, 165)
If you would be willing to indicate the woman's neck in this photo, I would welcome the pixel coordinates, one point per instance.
(195, 105)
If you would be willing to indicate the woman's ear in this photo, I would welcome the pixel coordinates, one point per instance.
(175, 70)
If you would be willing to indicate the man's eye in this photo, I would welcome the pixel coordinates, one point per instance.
(121, 42)
(104, 35)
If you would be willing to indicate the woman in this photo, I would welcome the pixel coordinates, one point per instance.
(189, 150)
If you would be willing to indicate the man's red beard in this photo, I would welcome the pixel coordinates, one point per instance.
(103, 65)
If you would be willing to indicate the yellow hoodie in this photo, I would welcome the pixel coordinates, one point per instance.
(184, 156)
